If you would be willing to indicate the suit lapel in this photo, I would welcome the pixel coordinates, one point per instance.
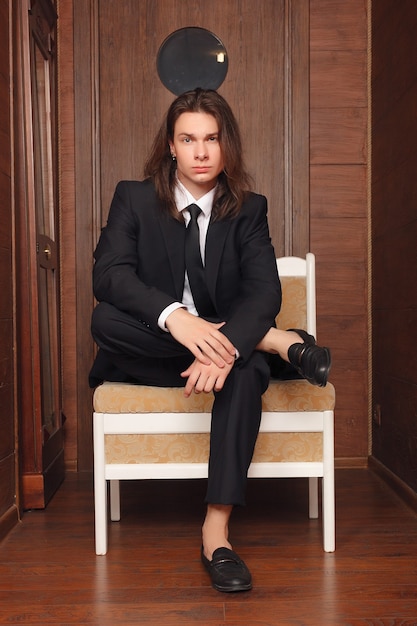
(216, 238)
(173, 234)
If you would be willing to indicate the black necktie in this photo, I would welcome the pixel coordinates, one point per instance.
(194, 265)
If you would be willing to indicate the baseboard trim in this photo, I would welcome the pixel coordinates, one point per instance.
(354, 462)
(407, 495)
(8, 520)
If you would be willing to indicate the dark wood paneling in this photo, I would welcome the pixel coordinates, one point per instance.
(338, 25)
(395, 441)
(6, 290)
(8, 480)
(391, 354)
(7, 430)
(326, 87)
(6, 213)
(338, 135)
(339, 211)
(395, 30)
(338, 191)
(86, 229)
(395, 196)
(69, 250)
(343, 288)
(7, 421)
(394, 310)
(393, 289)
(348, 335)
(399, 125)
(339, 238)
(133, 101)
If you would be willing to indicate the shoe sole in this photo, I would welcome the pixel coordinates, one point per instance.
(232, 590)
(323, 382)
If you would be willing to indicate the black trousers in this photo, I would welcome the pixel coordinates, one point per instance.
(132, 352)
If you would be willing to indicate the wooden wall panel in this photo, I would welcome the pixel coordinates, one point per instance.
(339, 212)
(338, 25)
(327, 67)
(338, 135)
(394, 236)
(337, 131)
(394, 29)
(338, 191)
(397, 202)
(8, 479)
(68, 247)
(86, 162)
(133, 100)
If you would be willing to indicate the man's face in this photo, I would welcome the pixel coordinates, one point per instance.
(197, 150)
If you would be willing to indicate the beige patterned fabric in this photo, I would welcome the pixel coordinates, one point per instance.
(194, 448)
(293, 312)
(295, 395)
(125, 398)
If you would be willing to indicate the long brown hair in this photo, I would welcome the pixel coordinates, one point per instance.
(233, 182)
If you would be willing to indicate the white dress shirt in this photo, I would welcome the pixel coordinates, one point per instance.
(183, 199)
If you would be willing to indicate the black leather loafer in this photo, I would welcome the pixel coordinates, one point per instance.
(305, 336)
(311, 361)
(227, 571)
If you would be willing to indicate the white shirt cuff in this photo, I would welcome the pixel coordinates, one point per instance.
(167, 311)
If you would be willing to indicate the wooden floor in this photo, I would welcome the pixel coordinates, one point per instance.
(49, 573)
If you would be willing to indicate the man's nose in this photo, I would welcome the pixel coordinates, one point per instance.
(201, 151)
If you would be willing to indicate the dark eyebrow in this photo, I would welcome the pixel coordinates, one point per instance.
(215, 134)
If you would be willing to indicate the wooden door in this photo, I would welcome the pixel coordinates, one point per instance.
(41, 419)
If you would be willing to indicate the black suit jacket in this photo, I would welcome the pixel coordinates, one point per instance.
(140, 268)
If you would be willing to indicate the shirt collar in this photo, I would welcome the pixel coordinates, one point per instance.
(184, 198)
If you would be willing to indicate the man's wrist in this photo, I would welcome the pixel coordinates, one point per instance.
(166, 312)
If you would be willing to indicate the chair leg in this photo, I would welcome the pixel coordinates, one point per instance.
(115, 500)
(328, 489)
(313, 497)
(329, 539)
(100, 486)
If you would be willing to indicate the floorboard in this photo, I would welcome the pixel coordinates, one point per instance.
(49, 573)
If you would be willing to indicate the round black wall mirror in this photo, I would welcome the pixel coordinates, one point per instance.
(192, 57)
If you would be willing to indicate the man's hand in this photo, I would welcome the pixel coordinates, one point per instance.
(202, 338)
(205, 378)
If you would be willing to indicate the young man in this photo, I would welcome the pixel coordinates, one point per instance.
(163, 321)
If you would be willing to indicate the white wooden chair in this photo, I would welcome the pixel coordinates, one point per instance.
(143, 432)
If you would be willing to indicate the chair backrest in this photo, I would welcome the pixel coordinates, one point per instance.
(298, 293)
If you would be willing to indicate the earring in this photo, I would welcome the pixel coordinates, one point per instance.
(173, 157)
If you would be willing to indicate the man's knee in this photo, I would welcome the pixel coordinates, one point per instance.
(101, 320)
(256, 366)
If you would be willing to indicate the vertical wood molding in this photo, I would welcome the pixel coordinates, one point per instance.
(9, 487)
(95, 118)
(66, 184)
(85, 85)
(369, 223)
(297, 209)
(27, 322)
